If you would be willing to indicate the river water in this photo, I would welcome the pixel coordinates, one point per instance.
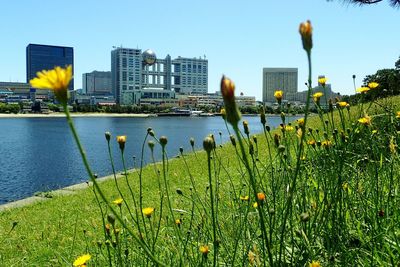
(39, 154)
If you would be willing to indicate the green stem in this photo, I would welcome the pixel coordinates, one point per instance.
(100, 192)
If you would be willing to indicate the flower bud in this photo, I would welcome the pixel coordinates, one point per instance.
(233, 140)
(305, 30)
(228, 94)
(151, 144)
(191, 142)
(111, 219)
(278, 95)
(121, 139)
(246, 127)
(163, 141)
(108, 136)
(208, 144)
(262, 117)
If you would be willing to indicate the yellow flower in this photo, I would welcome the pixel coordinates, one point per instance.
(286, 128)
(322, 81)
(178, 222)
(314, 264)
(363, 90)
(118, 201)
(398, 114)
(317, 96)
(311, 142)
(148, 212)
(326, 143)
(342, 104)
(301, 122)
(56, 79)
(244, 198)
(255, 205)
(82, 260)
(366, 120)
(373, 85)
(204, 250)
(278, 95)
(305, 30)
(121, 139)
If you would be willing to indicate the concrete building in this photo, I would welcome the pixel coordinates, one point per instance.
(97, 83)
(285, 79)
(131, 74)
(44, 57)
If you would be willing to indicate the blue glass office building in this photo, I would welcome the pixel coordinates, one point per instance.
(45, 57)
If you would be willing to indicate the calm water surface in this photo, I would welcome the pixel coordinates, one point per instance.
(39, 154)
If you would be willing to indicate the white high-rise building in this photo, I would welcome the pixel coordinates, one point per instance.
(284, 79)
(132, 75)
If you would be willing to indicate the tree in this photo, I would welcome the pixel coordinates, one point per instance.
(393, 3)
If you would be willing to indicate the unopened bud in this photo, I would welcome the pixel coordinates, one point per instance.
(246, 127)
(191, 142)
(305, 30)
(163, 141)
(208, 144)
(233, 140)
(151, 144)
(228, 94)
(121, 139)
(108, 136)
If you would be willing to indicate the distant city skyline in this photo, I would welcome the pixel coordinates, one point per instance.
(238, 39)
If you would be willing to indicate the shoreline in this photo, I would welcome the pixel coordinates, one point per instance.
(61, 114)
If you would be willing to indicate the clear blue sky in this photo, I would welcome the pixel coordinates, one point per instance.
(239, 38)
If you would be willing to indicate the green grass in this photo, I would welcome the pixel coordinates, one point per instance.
(344, 210)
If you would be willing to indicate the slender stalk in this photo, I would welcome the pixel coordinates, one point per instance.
(215, 247)
(100, 192)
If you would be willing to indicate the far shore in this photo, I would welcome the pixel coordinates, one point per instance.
(73, 114)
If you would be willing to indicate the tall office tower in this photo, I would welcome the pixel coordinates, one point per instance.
(97, 83)
(190, 75)
(284, 79)
(44, 57)
(133, 77)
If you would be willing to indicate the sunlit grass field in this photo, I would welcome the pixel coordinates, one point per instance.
(343, 210)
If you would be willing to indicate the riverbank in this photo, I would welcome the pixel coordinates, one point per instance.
(61, 114)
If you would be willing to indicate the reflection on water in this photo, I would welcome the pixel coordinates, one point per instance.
(39, 154)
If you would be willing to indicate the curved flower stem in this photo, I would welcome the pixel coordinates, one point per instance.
(266, 243)
(215, 246)
(100, 192)
(291, 192)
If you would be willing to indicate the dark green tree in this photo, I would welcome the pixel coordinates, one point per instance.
(393, 3)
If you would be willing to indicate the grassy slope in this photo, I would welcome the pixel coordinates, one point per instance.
(56, 231)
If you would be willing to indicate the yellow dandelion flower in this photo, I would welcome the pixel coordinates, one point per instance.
(286, 128)
(278, 95)
(244, 198)
(322, 81)
(255, 205)
(56, 79)
(314, 264)
(363, 90)
(398, 114)
(178, 222)
(326, 143)
(300, 122)
(374, 131)
(118, 201)
(373, 85)
(148, 212)
(311, 142)
(317, 96)
(82, 260)
(366, 120)
(204, 250)
(342, 104)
